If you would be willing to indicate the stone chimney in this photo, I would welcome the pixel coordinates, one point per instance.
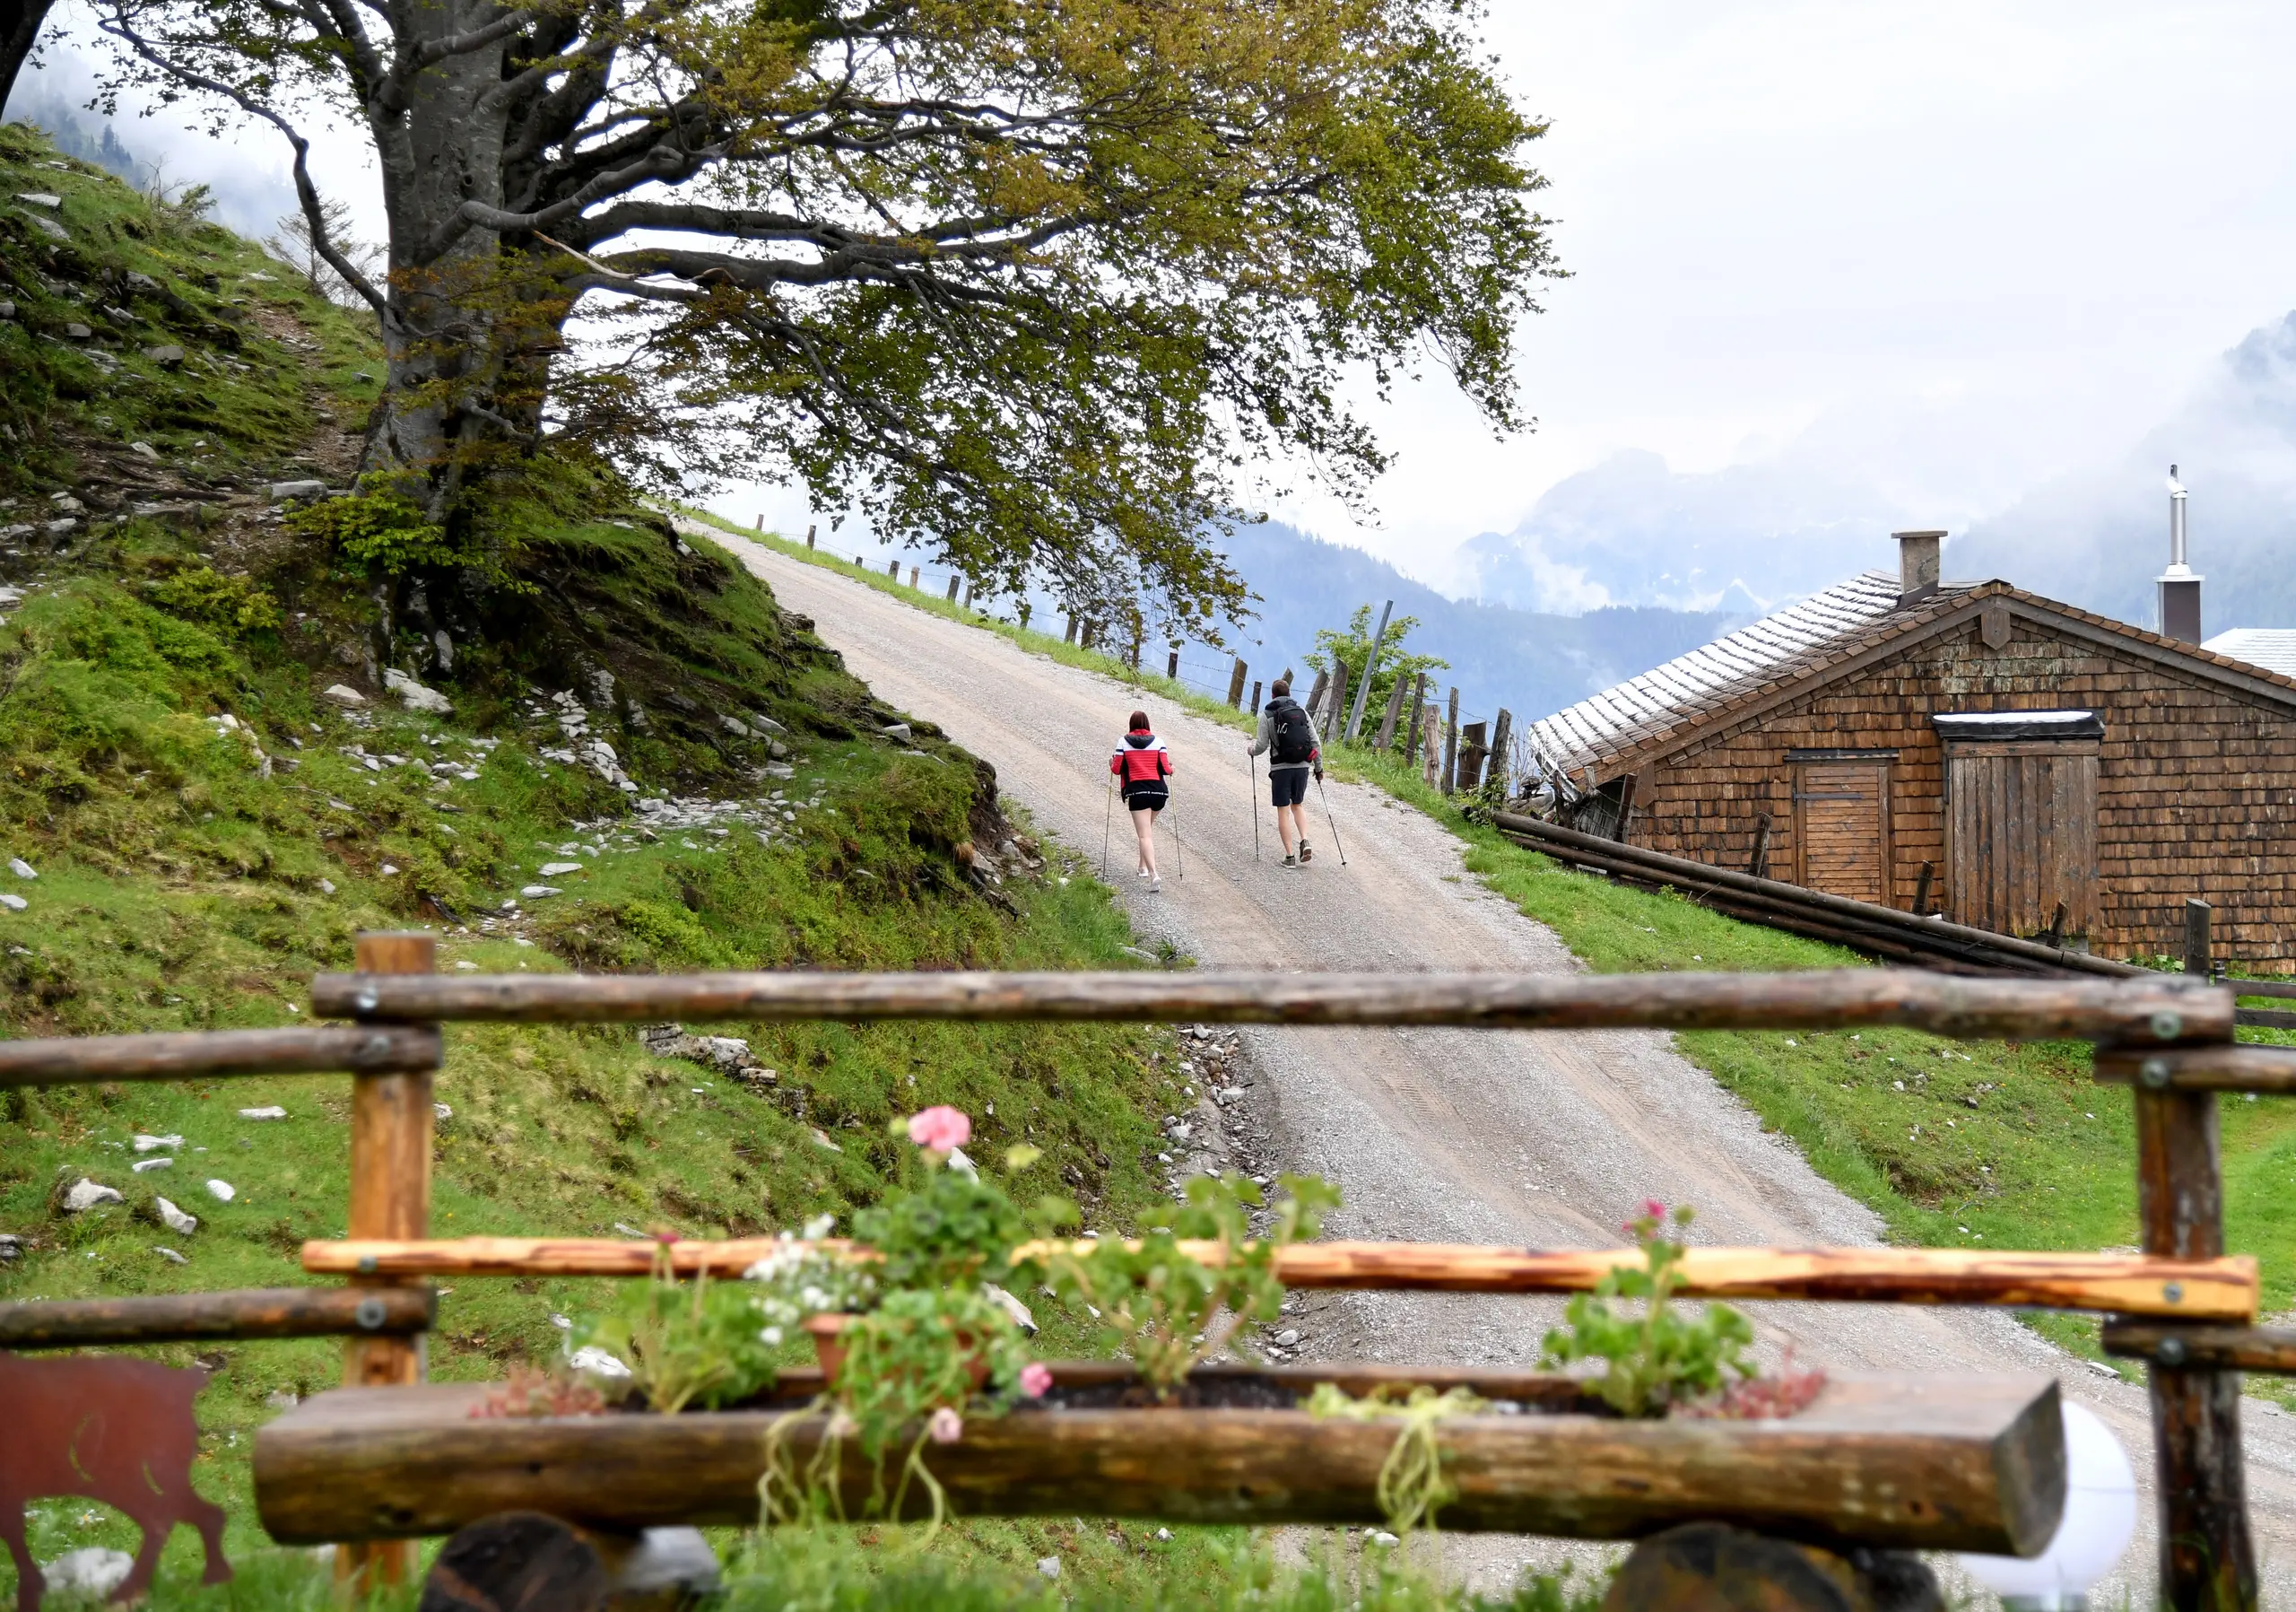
(1917, 565)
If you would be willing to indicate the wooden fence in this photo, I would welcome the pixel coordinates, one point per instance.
(2182, 1305)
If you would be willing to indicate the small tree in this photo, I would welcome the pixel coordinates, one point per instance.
(1353, 644)
(296, 247)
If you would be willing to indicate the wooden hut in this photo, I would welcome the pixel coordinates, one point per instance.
(1987, 752)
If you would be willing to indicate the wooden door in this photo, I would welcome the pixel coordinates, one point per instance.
(2022, 836)
(1841, 826)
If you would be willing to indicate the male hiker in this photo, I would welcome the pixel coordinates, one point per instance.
(1288, 740)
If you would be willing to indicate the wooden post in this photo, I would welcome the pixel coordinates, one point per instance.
(1314, 700)
(1334, 703)
(1236, 686)
(1025, 608)
(1418, 719)
(892, 568)
(953, 580)
(1172, 665)
(2207, 1558)
(1255, 688)
(1921, 887)
(914, 571)
(1386, 735)
(1370, 664)
(1501, 735)
(1068, 634)
(1625, 807)
(761, 523)
(809, 536)
(2055, 934)
(1451, 748)
(390, 1196)
(1759, 860)
(1472, 751)
(1431, 738)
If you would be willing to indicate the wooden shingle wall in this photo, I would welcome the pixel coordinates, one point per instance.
(2196, 781)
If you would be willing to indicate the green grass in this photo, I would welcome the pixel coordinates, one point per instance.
(1955, 1144)
(1027, 637)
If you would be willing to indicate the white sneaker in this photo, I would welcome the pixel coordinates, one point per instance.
(1155, 887)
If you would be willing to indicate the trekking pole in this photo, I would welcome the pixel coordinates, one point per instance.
(1329, 818)
(1108, 821)
(1252, 761)
(1178, 855)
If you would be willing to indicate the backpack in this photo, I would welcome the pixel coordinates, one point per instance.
(1292, 735)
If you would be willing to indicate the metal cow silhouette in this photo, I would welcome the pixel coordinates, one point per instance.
(117, 1431)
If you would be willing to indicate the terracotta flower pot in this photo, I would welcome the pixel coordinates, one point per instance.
(828, 1332)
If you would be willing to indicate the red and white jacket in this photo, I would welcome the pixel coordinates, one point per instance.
(1141, 759)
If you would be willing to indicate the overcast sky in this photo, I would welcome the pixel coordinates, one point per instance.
(1957, 246)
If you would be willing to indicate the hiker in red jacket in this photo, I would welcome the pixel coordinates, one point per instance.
(1140, 764)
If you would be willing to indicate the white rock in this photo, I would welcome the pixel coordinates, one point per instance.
(274, 1111)
(597, 1362)
(535, 891)
(1380, 1537)
(39, 198)
(48, 226)
(170, 1255)
(144, 449)
(91, 1573)
(143, 1143)
(1022, 1316)
(1287, 1338)
(963, 1165)
(344, 695)
(286, 492)
(14, 902)
(86, 1195)
(442, 1110)
(414, 696)
(898, 730)
(175, 1219)
(223, 1190)
(164, 1162)
(822, 1137)
(551, 870)
(282, 1399)
(326, 886)
(1049, 1566)
(21, 868)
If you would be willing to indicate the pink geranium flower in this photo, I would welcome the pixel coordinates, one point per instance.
(1036, 1376)
(946, 1427)
(1654, 1208)
(941, 1128)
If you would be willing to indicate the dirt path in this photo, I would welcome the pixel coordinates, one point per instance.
(1543, 1138)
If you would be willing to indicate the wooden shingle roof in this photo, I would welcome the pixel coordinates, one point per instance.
(1746, 671)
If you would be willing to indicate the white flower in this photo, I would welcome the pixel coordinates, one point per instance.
(771, 1337)
(818, 1227)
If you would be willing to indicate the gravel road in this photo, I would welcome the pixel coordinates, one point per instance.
(1543, 1138)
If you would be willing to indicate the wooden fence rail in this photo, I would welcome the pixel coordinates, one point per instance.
(192, 1054)
(2153, 1010)
(2198, 1290)
(204, 1317)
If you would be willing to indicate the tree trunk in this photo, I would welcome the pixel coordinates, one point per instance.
(20, 21)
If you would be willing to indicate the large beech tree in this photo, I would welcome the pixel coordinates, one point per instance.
(1036, 284)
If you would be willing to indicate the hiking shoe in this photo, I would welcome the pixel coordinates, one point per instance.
(1306, 855)
(1292, 863)
(1155, 887)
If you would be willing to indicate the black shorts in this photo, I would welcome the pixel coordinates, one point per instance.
(1146, 797)
(1288, 786)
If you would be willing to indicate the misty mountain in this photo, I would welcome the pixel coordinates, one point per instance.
(1533, 664)
(2097, 538)
(1741, 540)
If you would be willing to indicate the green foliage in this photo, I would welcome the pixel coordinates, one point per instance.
(1660, 1358)
(1352, 646)
(1165, 1301)
(232, 606)
(1412, 1487)
(697, 1342)
(957, 1228)
(381, 533)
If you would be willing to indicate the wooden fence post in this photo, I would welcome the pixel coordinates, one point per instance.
(1236, 686)
(390, 1196)
(809, 536)
(1386, 736)
(1451, 747)
(1418, 719)
(1502, 734)
(1335, 703)
(1757, 865)
(2207, 1558)
(1255, 688)
(1921, 888)
(1068, 634)
(953, 580)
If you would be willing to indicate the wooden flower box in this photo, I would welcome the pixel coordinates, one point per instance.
(1918, 1462)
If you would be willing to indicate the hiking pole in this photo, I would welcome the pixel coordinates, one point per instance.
(1179, 856)
(1108, 821)
(1254, 765)
(1329, 818)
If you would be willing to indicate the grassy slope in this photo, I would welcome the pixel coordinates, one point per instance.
(178, 887)
(1977, 1144)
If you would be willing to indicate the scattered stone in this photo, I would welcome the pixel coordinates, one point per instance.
(342, 694)
(551, 870)
(282, 493)
(13, 902)
(170, 1255)
(822, 1137)
(1289, 1338)
(442, 1110)
(597, 1362)
(536, 892)
(21, 868)
(271, 1113)
(166, 356)
(12, 1247)
(1380, 1537)
(414, 696)
(90, 1573)
(77, 331)
(7, 309)
(40, 198)
(326, 886)
(1022, 1317)
(164, 1162)
(898, 730)
(444, 646)
(139, 281)
(222, 1192)
(962, 1165)
(143, 1143)
(145, 451)
(1049, 1566)
(48, 226)
(282, 1399)
(86, 1195)
(175, 1219)
(62, 528)
(258, 275)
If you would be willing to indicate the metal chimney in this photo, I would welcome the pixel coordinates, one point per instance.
(2179, 584)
